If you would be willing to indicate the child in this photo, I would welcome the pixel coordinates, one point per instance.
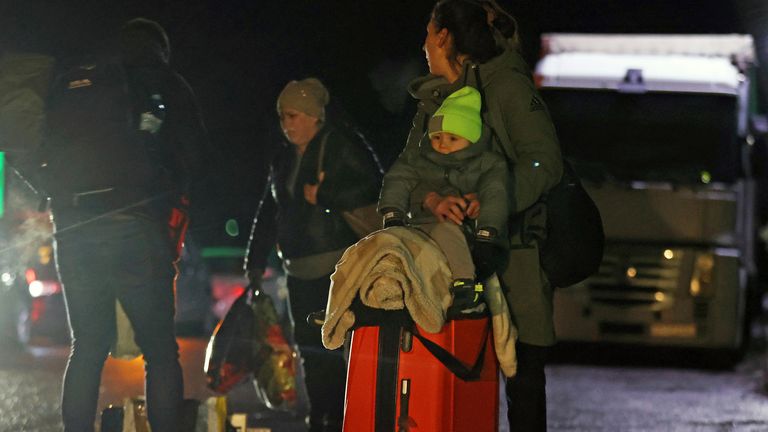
(456, 161)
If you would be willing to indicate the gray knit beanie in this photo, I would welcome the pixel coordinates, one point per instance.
(308, 96)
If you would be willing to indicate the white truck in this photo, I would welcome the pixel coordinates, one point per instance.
(658, 128)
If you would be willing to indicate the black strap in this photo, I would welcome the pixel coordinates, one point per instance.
(478, 84)
(388, 356)
(452, 363)
(366, 316)
(321, 153)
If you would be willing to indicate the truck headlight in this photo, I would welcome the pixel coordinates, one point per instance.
(701, 279)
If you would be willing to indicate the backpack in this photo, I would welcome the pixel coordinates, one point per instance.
(98, 148)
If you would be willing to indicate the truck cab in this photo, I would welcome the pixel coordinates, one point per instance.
(657, 127)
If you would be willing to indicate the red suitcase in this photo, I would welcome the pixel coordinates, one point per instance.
(394, 383)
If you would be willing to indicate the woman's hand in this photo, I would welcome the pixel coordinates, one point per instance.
(450, 207)
(473, 209)
(310, 191)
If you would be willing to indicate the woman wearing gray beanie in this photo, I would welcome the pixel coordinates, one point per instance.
(322, 170)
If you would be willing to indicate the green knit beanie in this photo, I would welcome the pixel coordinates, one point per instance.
(460, 115)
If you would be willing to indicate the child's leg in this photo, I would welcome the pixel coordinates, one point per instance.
(452, 242)
(467, 295)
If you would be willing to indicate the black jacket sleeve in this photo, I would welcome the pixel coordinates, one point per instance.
(263, 231)
(185, 135)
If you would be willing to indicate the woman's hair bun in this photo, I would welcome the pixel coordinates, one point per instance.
(505, 24)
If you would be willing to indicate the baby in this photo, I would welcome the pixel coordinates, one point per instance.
(457, 162)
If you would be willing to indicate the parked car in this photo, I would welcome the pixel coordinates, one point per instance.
(44, 317)
(12, 302)
(228, 280)
(193, 292)
(41, 316)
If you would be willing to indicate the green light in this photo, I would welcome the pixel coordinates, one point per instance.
(223, 252)
(2, 184)
(706, 177)
(232, 228)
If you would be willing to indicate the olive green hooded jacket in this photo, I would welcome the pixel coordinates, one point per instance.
(523, 133)
(470, 170)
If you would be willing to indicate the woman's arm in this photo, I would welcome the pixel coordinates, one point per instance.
(263, 234)
(528, 138)
(492, 191)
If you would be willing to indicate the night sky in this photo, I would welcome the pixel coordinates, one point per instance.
(237, 55)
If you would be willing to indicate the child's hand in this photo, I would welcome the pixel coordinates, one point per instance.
(450, 207)
(473, 209)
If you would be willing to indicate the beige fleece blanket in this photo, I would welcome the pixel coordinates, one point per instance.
(403, 267)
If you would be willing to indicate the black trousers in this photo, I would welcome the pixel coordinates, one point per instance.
(325, 371)
(526, 391)
(127, 258)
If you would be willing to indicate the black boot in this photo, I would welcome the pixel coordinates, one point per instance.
(526, 391)
(468, 300)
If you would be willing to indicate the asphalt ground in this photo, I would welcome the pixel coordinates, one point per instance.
(604, 394)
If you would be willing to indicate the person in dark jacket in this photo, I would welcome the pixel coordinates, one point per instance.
(471, 42)
(112, 241)
(456, 162)
(322, 171)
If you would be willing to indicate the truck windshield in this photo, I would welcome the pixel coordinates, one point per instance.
(665, 137)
